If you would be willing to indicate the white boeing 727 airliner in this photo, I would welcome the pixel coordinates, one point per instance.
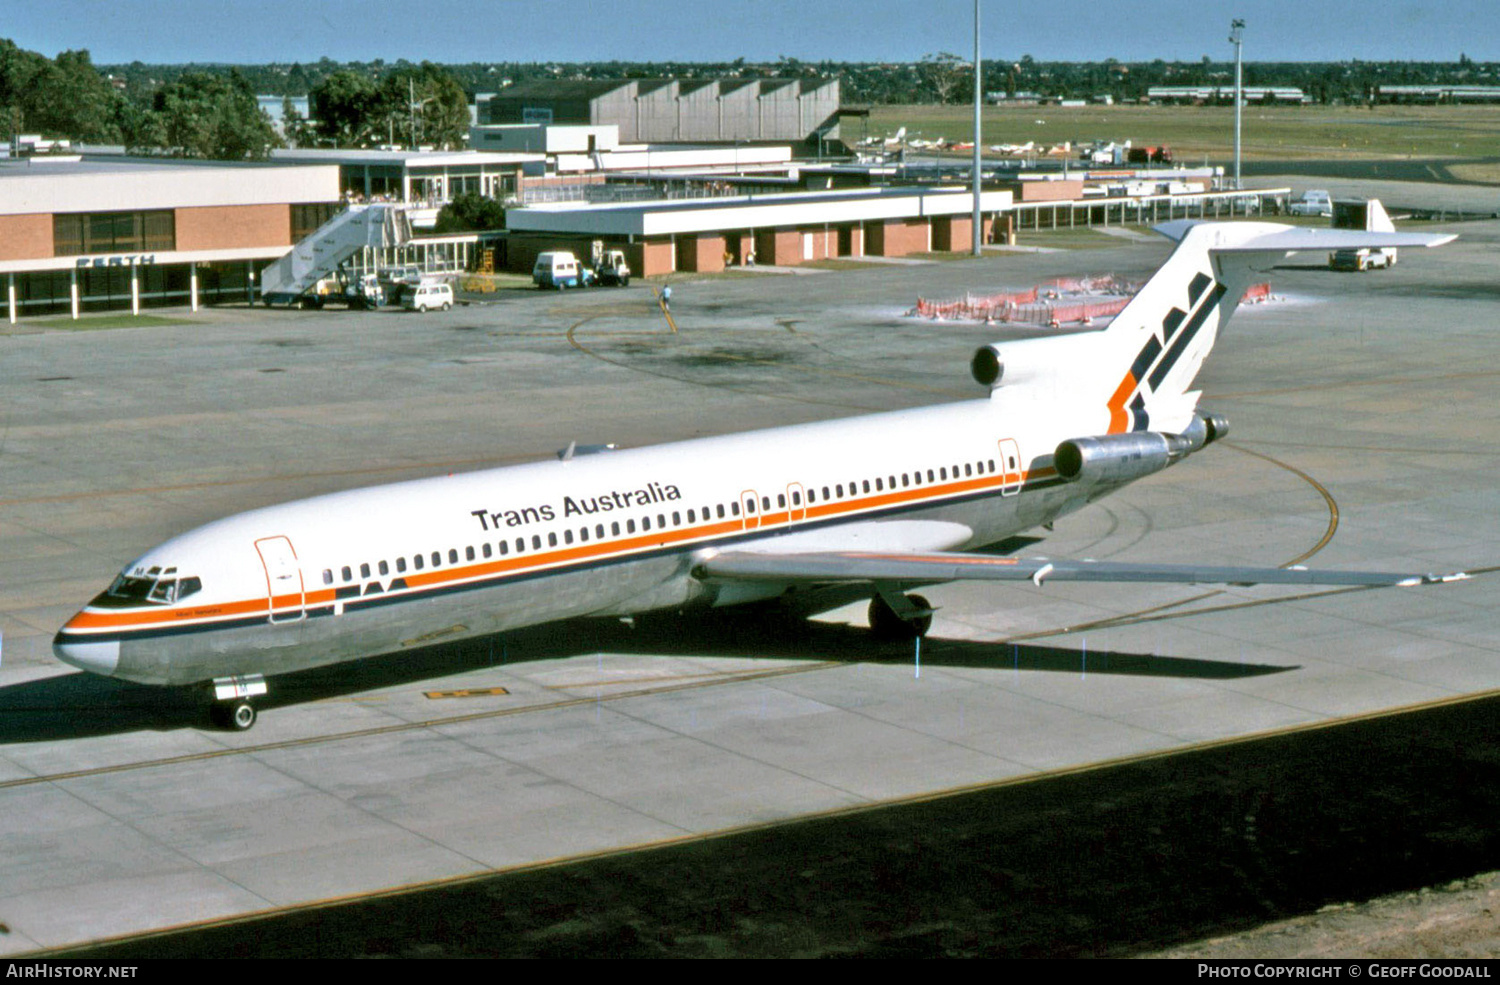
(889, 501)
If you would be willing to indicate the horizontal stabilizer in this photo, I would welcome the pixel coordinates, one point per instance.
(1269, 237)
(857, 566)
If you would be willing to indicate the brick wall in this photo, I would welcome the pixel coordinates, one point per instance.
(25, 237)
(227, 227)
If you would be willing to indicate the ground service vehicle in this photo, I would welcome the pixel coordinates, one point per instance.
(1367, 214)
(610, 268)
(560, 269)
(1316, 202)
(428, 296)
(361, 292)
(396, 282)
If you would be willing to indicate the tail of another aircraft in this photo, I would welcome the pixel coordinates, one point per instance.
(1143, 365)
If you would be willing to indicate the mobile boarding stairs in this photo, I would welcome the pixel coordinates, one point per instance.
(319, 255)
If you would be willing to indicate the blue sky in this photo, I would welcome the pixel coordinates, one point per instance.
(254, 31)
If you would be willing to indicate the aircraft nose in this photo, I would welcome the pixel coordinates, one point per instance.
(94, 656)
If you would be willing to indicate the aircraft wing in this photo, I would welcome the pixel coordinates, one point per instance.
(833, 567)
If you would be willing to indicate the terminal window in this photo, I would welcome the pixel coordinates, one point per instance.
(113, 232)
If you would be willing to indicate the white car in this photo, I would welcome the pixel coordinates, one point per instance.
(429, 296)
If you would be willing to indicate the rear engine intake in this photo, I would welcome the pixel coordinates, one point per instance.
(1113, 457)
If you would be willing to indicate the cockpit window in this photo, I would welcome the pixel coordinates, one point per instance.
(156, 587)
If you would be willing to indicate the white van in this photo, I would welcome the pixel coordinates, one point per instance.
(559, 269)
(425, 297)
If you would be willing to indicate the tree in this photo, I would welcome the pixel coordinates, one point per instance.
(431, 103)
(343, 104)
(943, 75)
(211, 116)
(66, 98)
(470, 213)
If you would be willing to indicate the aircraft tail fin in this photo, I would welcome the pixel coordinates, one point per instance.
(1162, 337)
(1143, 365)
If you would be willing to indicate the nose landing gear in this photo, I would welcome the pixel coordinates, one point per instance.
(231, 708)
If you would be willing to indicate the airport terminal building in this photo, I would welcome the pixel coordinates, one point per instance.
(88, 235)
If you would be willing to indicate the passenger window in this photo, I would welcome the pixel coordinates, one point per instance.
(536, 542)
(879, 486)
(929, 475)
(812, 496)
(839, 490)
(552, 540)
(781, 501)
(437, 559)
(416, 562)
(676, 519)
(347, 573)
(452, 555)
(720, 509)
(599, 531)
(904, 482)
(734, 509)
(504, 548)
(825, 494)
(645, 523)
(400, 565)
(943, 473)
(867, 484)
(468, 554)
(614, 528)
(992, 466)
(630, 526)
(385, 569)
(749, 506)
(485, 548)
(661, 521)
(765, 503)
(968, 469)
(364, 571)
(328, 576)
(567, 536)
(692, 517)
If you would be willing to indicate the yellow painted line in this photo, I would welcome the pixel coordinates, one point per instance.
(468, 692)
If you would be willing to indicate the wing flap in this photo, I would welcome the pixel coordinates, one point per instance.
(831, 567)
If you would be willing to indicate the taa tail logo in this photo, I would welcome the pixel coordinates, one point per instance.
(1127, 408)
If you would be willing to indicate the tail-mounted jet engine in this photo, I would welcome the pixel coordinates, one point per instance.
(1117, 458)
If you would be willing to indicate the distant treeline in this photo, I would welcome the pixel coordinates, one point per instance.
(937, 78)
(210, 111)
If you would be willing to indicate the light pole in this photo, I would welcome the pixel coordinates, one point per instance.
(978, 92)
(1236, 31)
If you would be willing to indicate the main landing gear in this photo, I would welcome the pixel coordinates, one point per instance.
(894, 616)
(231, 709)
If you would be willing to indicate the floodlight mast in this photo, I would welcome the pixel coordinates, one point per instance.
(1236, 32)
(978, 94)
